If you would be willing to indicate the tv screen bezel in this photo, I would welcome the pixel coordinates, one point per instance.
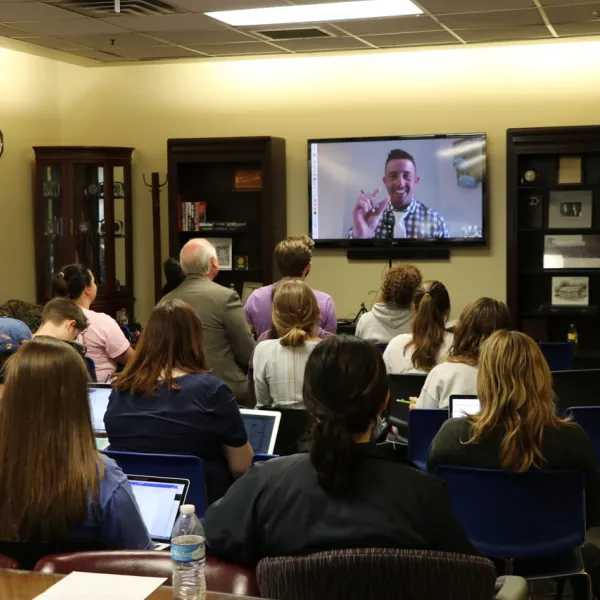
(411, 242)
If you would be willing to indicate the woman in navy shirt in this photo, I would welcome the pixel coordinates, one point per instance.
(53, 484)
(166, 401)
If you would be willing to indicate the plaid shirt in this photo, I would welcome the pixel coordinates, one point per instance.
(420, 222)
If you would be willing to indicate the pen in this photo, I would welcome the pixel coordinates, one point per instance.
(404, 401)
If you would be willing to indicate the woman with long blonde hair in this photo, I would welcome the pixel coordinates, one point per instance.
(54, 485)
(279, 363)
(517, 428)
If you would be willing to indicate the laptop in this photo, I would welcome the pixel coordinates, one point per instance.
(463, 405)
(99, 394)
(262, 427)
(159, 499)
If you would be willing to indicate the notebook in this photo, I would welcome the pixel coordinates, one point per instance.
(463, 405)
(262, 427)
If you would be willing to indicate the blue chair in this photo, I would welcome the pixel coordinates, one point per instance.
(423, 425)
(263, 457)
(126, 331)
(558, 355)
(520, 518)
(91, 367)
(589, 419)
(178, 466)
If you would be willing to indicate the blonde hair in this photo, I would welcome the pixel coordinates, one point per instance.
(399, 285)
(515, 389)
(476, 323)
(295, 312)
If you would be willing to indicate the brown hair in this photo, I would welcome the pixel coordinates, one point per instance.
(399, 285)
(48, 459)
(432, 304)
(293, 255)
(71, 281)
(515, 388)
(295, 312)
(59, 310)
(171, 340)
(476, 323)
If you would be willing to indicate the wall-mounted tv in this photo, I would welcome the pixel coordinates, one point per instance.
(423, 190)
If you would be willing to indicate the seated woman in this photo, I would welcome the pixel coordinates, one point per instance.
(53, 484)
(391, 315)
(347, 492)
(166, 401)
(278, 364)
(106, 344)
(173, 274)
(418, 352)
(458, 373)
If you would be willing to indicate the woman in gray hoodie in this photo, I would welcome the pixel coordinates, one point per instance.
(391, 315)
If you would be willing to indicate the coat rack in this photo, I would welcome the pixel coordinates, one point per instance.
(156, 188)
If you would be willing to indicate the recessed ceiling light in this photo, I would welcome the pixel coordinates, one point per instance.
(317, 13)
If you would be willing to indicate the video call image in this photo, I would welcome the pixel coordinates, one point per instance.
(398, 189)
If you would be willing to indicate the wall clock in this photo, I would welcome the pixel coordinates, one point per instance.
(1, 143)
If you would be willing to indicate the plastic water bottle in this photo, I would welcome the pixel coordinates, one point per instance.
(188, 555)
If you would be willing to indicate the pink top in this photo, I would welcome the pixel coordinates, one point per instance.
(104, 341)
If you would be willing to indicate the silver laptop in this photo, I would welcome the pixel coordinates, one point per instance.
(159, 499)
(262, 427)
(462, 405)
(99, 393)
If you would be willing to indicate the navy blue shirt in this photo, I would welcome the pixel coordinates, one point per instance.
(198, 419)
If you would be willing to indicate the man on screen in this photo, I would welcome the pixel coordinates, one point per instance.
(400, 215)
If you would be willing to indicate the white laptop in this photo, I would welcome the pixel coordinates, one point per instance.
(262, 427)
(462, 405)
(99, 393)
(159, 499)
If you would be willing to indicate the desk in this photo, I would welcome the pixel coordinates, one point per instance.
(26, 585)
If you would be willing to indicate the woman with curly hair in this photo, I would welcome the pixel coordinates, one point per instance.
(391, 315)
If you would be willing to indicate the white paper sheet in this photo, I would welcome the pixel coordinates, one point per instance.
(97, 586)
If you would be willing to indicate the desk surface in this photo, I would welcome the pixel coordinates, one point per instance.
(26, 585)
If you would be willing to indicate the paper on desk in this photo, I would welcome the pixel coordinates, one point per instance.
(97, 586)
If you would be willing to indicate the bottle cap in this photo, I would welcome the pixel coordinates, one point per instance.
(187, 509)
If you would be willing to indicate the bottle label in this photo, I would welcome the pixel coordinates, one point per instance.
(572, 337)
(188, 552)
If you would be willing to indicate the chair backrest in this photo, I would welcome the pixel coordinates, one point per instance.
(179, 466)
(263, 457)
(220, 576)
(293, 430)
(385, 574)
(589, 418)
(7, 562)
(402, 387)
(423, 425)
(518, 515)
(91, 367)
(558, 355)
(576, 388)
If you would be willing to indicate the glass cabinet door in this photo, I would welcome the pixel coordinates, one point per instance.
(53, 222)
(120, 228)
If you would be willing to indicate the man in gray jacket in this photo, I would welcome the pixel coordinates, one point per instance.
(228, 343)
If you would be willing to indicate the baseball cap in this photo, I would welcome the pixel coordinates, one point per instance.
(12, 334)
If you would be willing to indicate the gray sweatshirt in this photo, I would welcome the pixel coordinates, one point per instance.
(383, 323)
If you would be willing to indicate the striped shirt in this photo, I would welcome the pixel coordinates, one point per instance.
(279, 374)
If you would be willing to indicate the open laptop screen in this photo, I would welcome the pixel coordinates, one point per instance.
(159, 501)
(262, 427)
(461, 406)
(99, 394)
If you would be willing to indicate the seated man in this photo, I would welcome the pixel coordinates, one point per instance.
(294, 259)
(12, 334)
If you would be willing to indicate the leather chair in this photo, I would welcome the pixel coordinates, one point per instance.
(6, 562)
(221, 577)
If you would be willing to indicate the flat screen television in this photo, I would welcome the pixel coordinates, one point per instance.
(421, 190)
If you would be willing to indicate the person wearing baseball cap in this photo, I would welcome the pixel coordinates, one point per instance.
(12, 334)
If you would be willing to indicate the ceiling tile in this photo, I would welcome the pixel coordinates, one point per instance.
(158, 53)
(396, 25)
(317, 44)
(116, 41)
(442, 7)
(201, 6)
(163, 23)
(501, 18)
(566, 2)
(411, 39)
(505, 33)
(97, 54)
(80, 26)
(573, 13)
(238, 49)
(589, 28)
(14, 32)
(55, 43)
(213, 36)
(32, 11)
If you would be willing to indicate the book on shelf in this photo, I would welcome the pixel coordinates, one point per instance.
(191, 215)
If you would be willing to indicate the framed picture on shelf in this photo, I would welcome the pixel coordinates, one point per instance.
(572, 251)
(248, 288)
(570, 291)
(570, 209)
(224, 248)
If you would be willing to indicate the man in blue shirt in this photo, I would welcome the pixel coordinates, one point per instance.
(400, 215)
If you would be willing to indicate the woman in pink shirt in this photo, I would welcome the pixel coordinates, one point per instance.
(105, 342)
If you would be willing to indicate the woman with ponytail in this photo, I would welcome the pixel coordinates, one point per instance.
(279, 363)
(418, 352)
(347, 492)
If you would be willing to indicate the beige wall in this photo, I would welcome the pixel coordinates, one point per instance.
(454, 89)
(29, 115)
